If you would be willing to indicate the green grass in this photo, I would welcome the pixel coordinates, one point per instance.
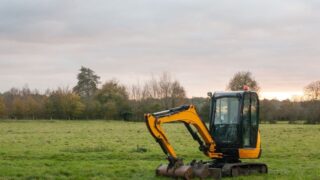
(112, 150)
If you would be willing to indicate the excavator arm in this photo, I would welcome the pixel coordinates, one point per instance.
(188, 115)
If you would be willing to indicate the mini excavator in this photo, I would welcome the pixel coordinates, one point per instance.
(233, 134)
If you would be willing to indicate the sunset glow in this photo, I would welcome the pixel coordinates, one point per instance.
(281, 95)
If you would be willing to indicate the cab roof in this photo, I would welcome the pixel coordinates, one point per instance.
(230, 93)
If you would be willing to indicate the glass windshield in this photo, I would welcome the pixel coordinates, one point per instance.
(226, 110)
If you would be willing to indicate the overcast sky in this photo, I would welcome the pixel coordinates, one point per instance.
(43, 43)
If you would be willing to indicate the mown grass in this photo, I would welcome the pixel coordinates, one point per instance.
(126, 150)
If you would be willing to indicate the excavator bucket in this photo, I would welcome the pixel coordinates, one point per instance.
(187, 172)
(184, 171)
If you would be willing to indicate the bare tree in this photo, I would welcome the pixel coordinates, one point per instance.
(178, 94)
(162, 89)
(241, 79)
(312, 90)
(165, 85)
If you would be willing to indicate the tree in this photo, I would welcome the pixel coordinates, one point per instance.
(157, 93)
(114, 101)
(312, 93)
(178, 94)
(312, 111)
(171, 93)
(241, 79)
(87, 83)
(32, 107)
(269, 109)
(203, 107)
(312, 90)
(18, 108)
(64, 104)
(72, 105)
(2, 108)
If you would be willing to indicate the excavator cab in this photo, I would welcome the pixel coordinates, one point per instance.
(234, 124)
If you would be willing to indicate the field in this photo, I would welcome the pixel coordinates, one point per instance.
(125, 150)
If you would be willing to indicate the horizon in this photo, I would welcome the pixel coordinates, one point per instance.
(298, 95)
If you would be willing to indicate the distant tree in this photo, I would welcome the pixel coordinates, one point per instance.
(171, 93)
(203, 107)
(32, 107)
(243, 78)
(290, 111)
(64, 104)
(178, 94)
(312, 106)
(158, 93)
(114, 101)
(2, 108)
(87, 83)
(312, 112)
(312, 90)
(18, 108)
(269, 110)
(72, 106)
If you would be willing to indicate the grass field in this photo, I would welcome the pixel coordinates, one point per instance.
(111, 150)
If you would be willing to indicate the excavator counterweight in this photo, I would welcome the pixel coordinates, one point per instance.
(233, 134)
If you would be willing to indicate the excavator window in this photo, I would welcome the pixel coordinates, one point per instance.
(246, 124)
(250, 120)
(254, 119)
(226, 120)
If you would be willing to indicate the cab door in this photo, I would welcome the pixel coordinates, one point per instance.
(254, 111)
(250, 120)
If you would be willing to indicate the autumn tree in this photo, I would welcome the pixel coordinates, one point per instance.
(241, 79)
(64, 104)
(18, 108)
(113, 98)
(2, 108)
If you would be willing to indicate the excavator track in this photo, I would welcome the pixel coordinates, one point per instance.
(243, 169)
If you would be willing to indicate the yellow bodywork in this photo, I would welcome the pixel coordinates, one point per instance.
(189, 116)
(251, 153)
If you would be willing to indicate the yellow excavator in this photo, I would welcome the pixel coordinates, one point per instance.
(233, 134)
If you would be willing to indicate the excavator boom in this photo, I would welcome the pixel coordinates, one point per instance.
(187, 115)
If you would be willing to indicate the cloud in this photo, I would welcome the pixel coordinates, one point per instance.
(203, 43)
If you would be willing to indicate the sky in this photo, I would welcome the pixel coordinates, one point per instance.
(43, 43)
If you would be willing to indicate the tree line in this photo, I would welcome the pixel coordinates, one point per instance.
(90, 99)
(87, 101)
